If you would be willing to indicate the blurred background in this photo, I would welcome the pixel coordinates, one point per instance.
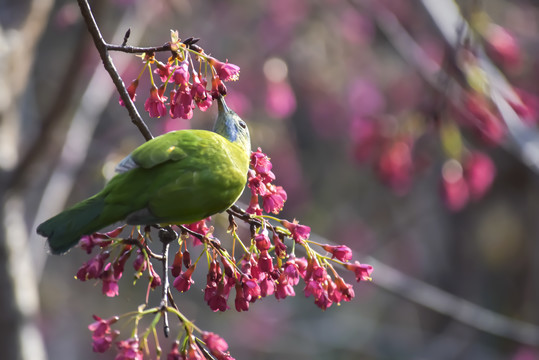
(403, 129)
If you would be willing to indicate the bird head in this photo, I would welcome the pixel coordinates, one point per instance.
(232, 127)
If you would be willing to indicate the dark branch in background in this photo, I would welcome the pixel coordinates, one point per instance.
(525, 139)
(451, 25)
(54, 115)
(101, 46)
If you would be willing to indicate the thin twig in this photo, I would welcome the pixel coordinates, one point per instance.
(136, 49)
(166, 235)
(101, 46)
(142, 247)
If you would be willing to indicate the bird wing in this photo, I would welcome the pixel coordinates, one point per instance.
(167, 147)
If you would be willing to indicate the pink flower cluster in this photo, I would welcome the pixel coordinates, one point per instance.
(467, 181)
(390, 156)
(260, 274)
(462, 180)
(102, 335)
(259, 180)
(111, 272)
(189, 87)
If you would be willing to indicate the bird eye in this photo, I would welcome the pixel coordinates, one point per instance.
(243, 124)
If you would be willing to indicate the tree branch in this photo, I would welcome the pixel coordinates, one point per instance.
(101, 46)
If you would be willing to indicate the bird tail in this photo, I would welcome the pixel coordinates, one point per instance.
(64, 230)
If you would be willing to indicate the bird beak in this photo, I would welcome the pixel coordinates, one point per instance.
(222, 106)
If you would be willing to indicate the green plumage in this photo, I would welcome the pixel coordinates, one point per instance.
(177, 178)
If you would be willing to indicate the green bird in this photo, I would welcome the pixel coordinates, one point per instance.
(177, 178)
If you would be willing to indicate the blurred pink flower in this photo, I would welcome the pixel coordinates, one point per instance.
(280, 99)
(129, 350)
(502, 46)
(454, 188)
(479, 173)
(483, 120)
(395, 166)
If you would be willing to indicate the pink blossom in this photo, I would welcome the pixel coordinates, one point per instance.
(129, 350)
(274, 201)
(174, 353)
(102, 335)
(265, 261)
(251, 290)
(363, 271)
(215, 343)
(319, 273)
(177, 264)
(217, 88)
(254, 206)
(131, 91)
(181, 74)
(155, 104)
(193, 353)
(260, 162)
(183, 282)
(110, 282)
(119, 264)
(225, 70)
(218, 302)
(240, 302)
(314, 288)
(283, 288)
(298, 232)
(262, 241)
(199, 93)
(214, 273)
(345, 289)
(339, 252)
(267, 285)
(163, 71)
(181, 105)
(154, 277)
(93, 268)
(291, 271)
(199, 227)
(87, 242)
(140, 263)
(322, 300)
(280, 247)
(255, 183)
